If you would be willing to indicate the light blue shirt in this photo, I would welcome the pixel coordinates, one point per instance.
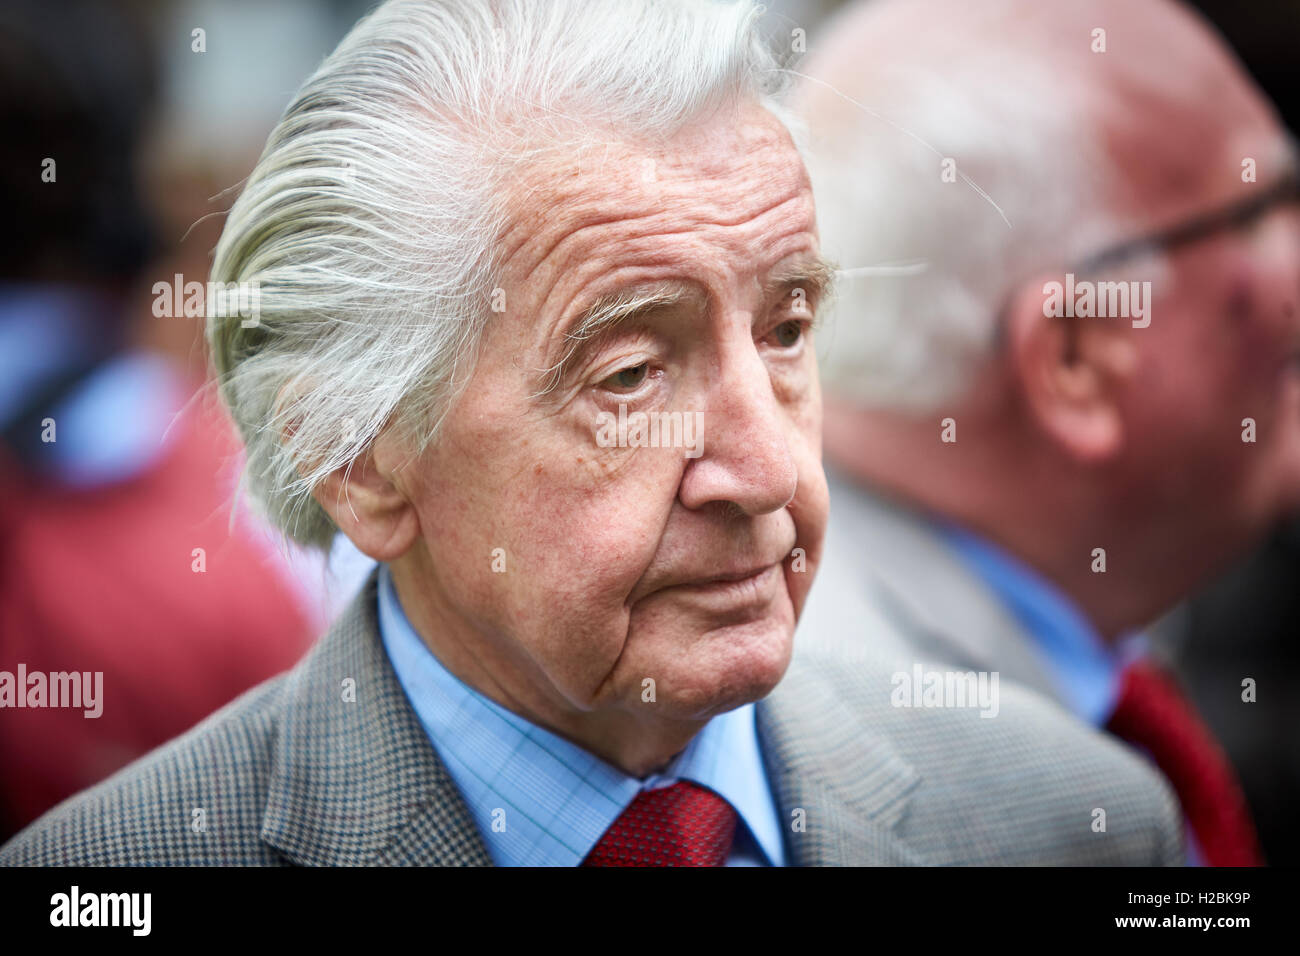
(1086, 672)
(540, 800)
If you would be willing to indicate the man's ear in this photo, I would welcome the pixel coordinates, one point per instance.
(367, 504)
(1072, 372)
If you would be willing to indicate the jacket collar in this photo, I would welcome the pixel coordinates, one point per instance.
(356, 782)
(841, 786)
(931, 594)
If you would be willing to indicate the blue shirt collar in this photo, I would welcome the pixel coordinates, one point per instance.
(540, 800)
(1084, 669)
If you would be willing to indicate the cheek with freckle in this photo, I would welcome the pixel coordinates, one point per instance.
(579, 532)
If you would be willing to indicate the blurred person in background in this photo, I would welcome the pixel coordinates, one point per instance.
(1017, 487)
(117, 549)
(1246, 623)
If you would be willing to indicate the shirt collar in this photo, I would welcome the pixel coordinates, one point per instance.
(539, 799)
(1084, 669)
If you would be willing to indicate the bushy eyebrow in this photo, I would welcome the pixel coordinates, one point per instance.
(814, 274)
(603, 315)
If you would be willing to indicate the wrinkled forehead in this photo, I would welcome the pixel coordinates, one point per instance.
(730, 177)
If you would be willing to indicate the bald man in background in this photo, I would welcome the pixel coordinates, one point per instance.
(1029, 461)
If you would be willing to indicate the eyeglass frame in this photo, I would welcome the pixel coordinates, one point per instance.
(1201, 226)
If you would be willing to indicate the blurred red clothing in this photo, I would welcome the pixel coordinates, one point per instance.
(103, 579)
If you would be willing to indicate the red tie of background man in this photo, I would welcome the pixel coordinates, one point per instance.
(1153, 713)
(680, 825)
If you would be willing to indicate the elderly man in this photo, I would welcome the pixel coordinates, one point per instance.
(534, 288)
(1064, 386)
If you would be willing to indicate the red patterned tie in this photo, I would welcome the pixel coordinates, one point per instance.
(680, 825)
(1153, 713)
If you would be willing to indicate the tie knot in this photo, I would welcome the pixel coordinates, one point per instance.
(680, 825)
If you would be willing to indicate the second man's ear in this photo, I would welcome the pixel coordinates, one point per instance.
(1071, 372)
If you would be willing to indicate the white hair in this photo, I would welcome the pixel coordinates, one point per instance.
(944, 177)
(370, 220)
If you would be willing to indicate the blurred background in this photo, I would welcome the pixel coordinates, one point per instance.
(124, 547)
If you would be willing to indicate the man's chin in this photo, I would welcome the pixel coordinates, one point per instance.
(726, 668)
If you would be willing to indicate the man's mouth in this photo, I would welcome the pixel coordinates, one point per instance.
(731, 577)
(753, 588)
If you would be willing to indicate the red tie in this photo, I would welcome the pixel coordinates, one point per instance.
(1153, 713)
(680, 825)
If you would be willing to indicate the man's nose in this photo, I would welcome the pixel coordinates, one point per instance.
(746, 457)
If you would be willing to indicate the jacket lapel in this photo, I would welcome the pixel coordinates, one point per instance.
(840, 787)
(357, 782)
(926, 590)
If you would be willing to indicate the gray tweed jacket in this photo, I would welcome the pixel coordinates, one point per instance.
(291, 773)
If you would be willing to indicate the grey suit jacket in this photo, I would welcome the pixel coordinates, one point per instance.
(890, 582)
(291, 773)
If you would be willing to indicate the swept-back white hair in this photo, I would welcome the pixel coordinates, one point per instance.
(948, 165)
(369, 222)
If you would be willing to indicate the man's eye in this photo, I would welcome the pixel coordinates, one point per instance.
(628, 378)
(789, 333)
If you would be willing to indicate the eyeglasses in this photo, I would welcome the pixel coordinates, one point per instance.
(1234, 216)
(1286, 191)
